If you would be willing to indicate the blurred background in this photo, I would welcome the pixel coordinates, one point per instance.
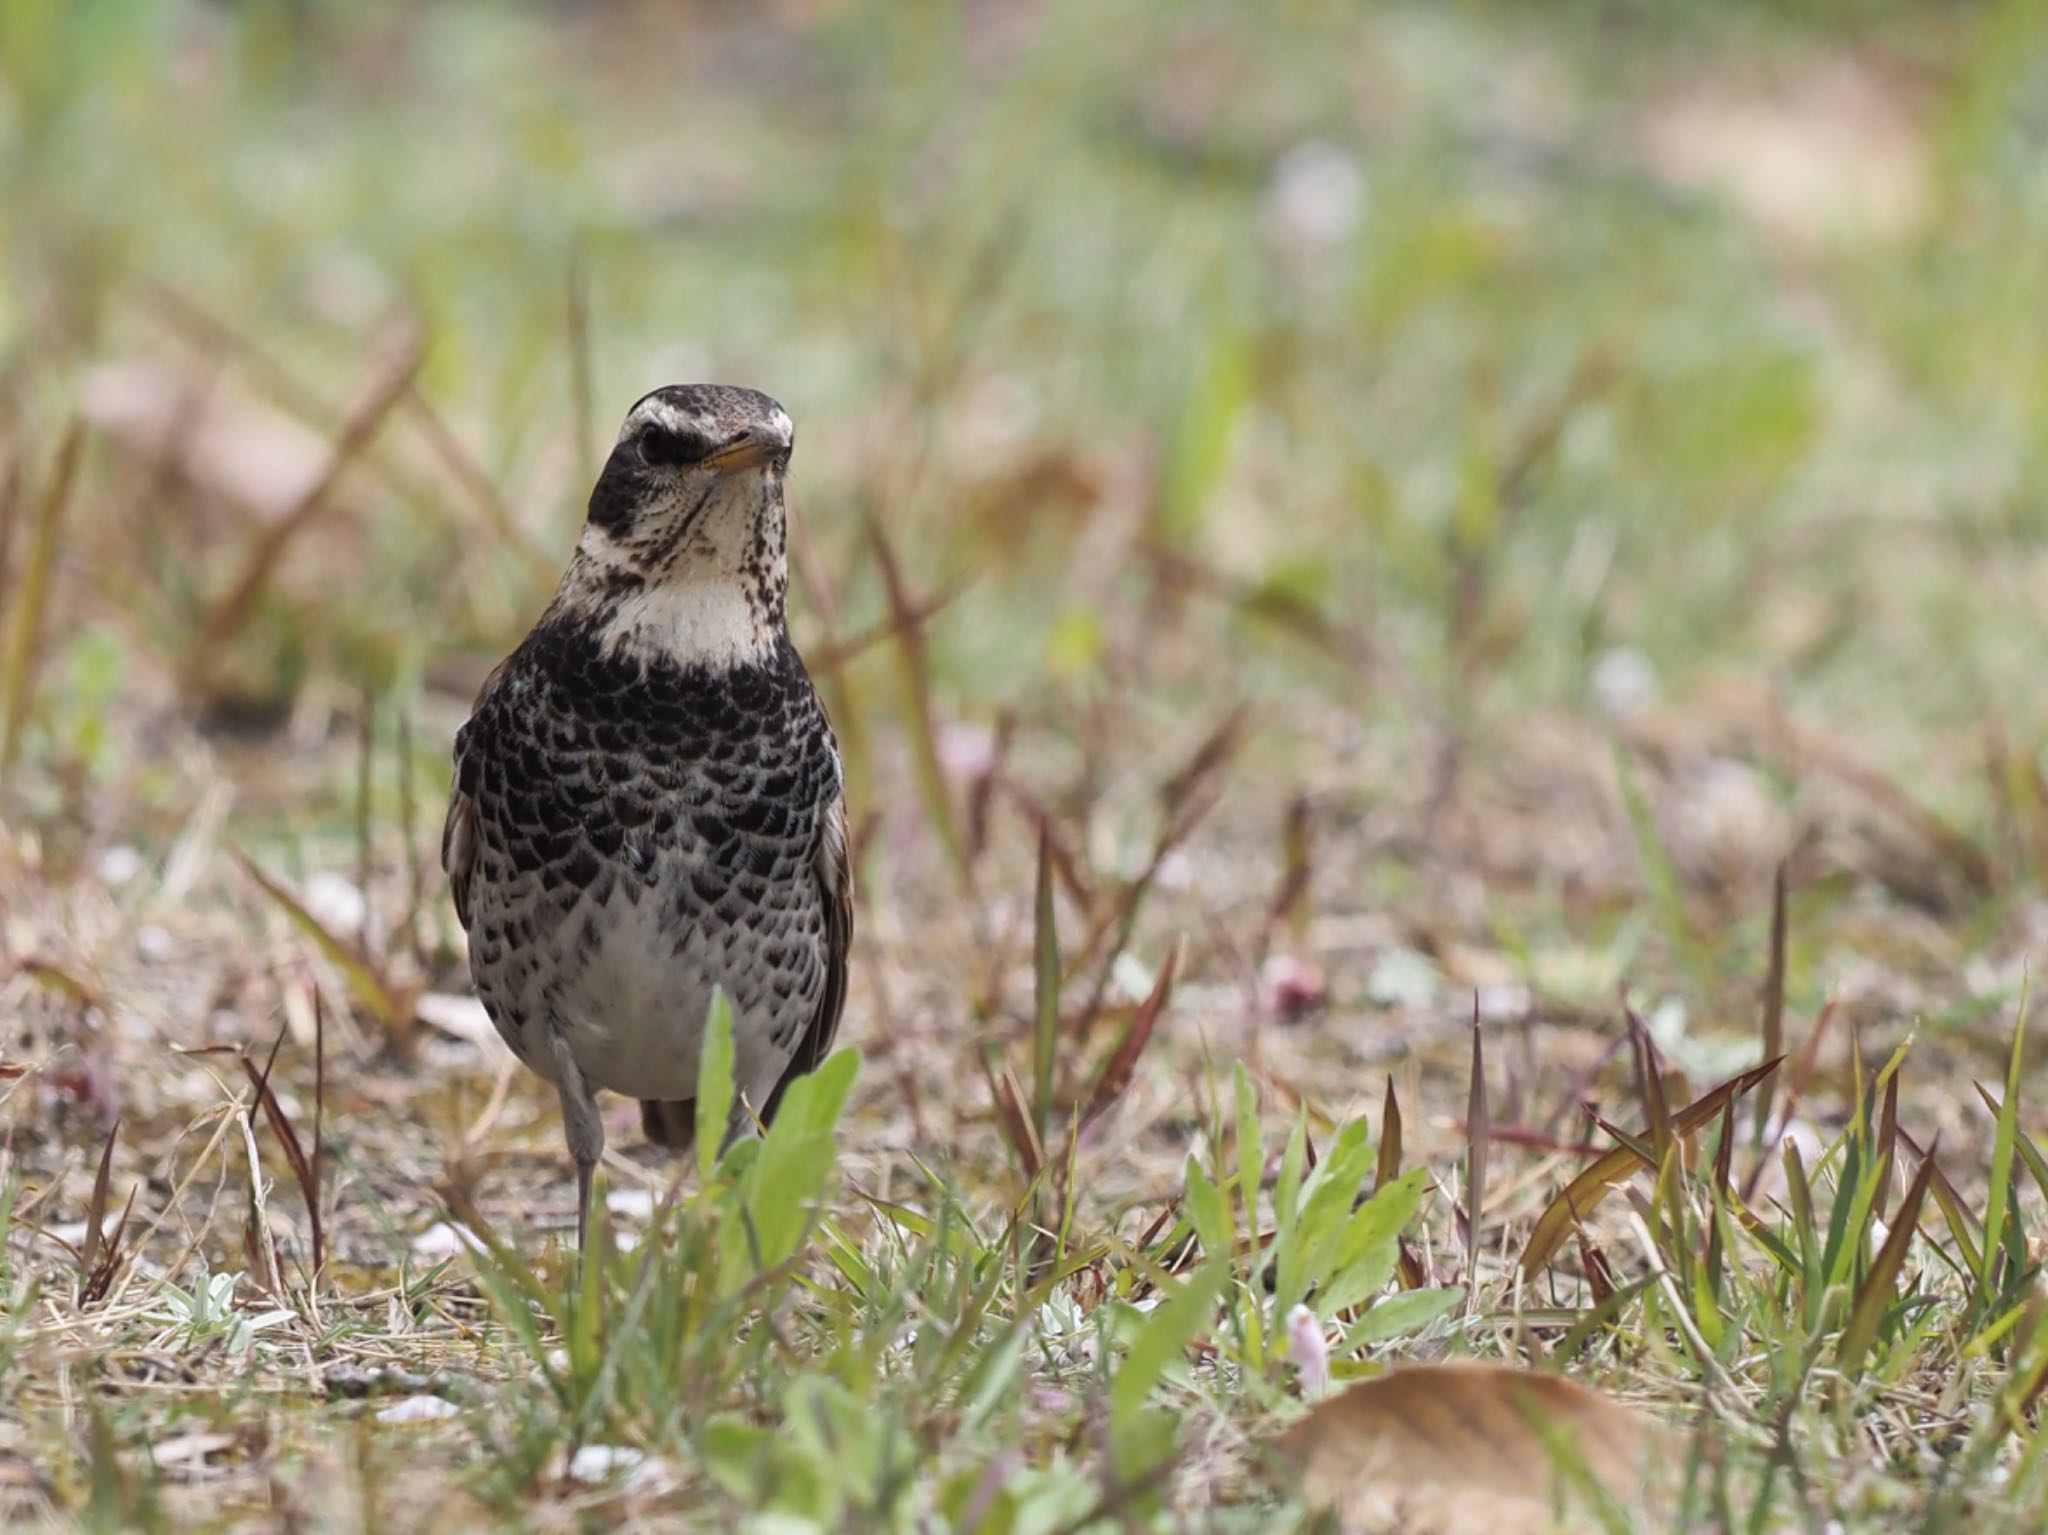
(1567, 462)
(1414, 502)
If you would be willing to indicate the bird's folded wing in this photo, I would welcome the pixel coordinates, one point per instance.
(835, 880)
(458, 850)
(834, 870)
(458, 832)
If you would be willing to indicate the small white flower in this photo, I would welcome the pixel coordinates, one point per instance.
(1317, 196)
(336, 904)
(633, 1204)
(416, 1409)
(445, 1239)
(119, 864)
(602, 1462)
(1624, 681)
(1309, 1352)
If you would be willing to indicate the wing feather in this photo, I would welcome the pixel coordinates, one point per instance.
(458, 832)
(833, 867)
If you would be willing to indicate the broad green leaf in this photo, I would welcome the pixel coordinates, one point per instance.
(1162, 1336)
(1287, 1187)
(1251, 1156)
(797, 1155)
(1370, 1246)
(1397, 1315)
(1302, 1251)
(1210, 1212)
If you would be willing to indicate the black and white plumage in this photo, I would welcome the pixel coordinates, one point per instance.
(648, 800)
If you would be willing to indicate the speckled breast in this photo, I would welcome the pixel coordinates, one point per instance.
(647, 832)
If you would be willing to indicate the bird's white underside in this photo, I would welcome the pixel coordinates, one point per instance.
(635, 1006)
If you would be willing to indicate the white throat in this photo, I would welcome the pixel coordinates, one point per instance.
(714, 623)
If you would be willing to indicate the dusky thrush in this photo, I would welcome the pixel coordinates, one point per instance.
(648, 801)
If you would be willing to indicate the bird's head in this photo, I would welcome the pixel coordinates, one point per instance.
(694, 480)
(686, 526)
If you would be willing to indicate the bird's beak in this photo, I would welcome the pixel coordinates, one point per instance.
(753, 447)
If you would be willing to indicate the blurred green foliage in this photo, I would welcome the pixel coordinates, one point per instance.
(956, 241)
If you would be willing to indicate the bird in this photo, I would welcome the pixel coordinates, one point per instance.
(648, 804)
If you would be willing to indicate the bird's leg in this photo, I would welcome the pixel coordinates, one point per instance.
(581, 1125)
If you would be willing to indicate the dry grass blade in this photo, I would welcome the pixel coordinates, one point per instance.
(1475, 563)
(1802, 1069)
(319, 1120)
(1881, 1285)
(1289, 906)
(234, 606)
(1123, 1061)
(1386, 1170)
(366, 757)
(908, 627)
(368, 986)
(1595, 1183)
(1598, 1271)
(1274, 605)
(1962, 1225)
(582, 395)
(1045, 1033)
(1389, 1165)
(303, 1171)
(1456, 1448)
(1887, 1145)
(27, 604)
(1076, 879)
(99, 1278)
(96, 1211)
(1650, 1084)
(1951, 848)
(1477, 1139)
(835, 653)
(1010, 1116)
(505, 531)
(1186, 798)
(1774, 1006)
(2023, 1143)
(1188, 794)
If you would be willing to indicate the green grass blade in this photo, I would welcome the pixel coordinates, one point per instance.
(714, 1085)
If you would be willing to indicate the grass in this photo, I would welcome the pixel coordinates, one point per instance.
(1350, 556)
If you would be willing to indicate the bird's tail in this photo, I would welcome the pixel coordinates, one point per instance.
(670, 1122)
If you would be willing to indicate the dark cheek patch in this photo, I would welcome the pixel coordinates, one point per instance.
(617, 494)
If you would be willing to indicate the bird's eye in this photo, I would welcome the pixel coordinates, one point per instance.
(661, 446)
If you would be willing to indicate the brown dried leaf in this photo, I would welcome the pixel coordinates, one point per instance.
(1452, 1448)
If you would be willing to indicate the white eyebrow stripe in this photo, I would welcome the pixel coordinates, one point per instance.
(658, 410)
